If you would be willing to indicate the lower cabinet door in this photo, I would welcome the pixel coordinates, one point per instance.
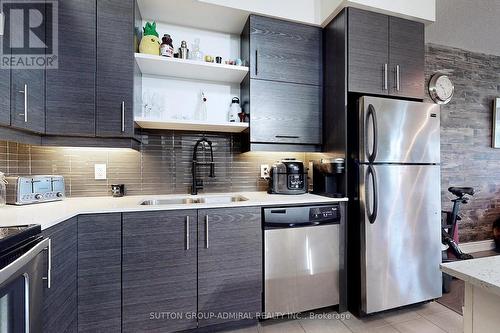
(60, 300)
(99, 272)
(229, 264)
(159, 273)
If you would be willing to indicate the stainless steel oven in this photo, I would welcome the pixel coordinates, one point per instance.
(23, 276)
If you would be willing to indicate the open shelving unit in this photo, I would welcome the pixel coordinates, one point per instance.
(190, 69)
(192, 125)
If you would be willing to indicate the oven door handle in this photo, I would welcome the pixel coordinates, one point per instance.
(14, 267)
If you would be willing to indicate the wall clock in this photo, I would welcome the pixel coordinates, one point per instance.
(441, 88)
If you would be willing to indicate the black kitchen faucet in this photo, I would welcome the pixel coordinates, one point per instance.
(198, 183)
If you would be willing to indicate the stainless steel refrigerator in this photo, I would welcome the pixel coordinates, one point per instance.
(399, 200)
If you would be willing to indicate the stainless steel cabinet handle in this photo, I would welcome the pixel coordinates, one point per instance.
(385, 77)
(25, 92)
(206, 231)
(398, 78)
(256, 62)
(187, 232)
(123, 116)
(287, 136)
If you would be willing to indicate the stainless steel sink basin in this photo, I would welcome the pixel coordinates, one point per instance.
(186, 201)
(180, 201)
(222, 199)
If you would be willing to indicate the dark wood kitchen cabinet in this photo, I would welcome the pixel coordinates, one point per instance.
(60, 300)
(99, 272)
(229, 262)
(71, 87)
(115, 68)
(27, 99)
(4, 97)
(283, 92)
(385, 54)
(368, 52)
(407, 57)
(285, 113)
(159, 270)
(284, 51)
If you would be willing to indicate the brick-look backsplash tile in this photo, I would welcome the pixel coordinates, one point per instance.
(162, 166)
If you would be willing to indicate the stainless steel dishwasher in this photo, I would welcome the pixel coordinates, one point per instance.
(301, 258)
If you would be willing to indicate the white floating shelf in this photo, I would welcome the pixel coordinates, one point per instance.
(190, 69)
(192, 125)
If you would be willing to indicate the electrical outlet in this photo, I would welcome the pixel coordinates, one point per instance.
(100, 171)
(264, 171)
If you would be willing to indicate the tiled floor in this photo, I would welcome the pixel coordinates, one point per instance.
(428, 318)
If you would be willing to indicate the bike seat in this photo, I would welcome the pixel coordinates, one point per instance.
(461, 191)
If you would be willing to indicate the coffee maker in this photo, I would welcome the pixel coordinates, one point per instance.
(328, 177)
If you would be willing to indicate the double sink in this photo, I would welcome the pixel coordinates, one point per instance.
(222, 199)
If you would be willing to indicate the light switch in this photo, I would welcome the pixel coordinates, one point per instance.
(100, 171)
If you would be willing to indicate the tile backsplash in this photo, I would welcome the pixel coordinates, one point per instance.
(162, 166)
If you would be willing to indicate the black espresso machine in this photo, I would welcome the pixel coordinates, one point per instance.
(328, 177)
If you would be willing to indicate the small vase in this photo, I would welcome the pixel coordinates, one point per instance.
(150, 44)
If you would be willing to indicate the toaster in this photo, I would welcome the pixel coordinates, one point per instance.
(288, 176)
(25, 190)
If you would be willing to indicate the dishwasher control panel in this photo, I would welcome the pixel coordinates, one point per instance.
(289, 217)
(327, 213)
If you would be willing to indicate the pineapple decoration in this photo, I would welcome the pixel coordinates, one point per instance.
(150, 43)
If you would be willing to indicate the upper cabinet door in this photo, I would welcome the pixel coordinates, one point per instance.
(285, 51)
(115, 67)
(27, 94)
(286, 113)
(368, 52)
(27, 85)
(406, 53)
(4, 97)
(71, 87)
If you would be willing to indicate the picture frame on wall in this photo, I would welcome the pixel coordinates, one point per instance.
(496, 123)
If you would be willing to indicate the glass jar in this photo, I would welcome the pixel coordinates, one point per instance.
(3, 189)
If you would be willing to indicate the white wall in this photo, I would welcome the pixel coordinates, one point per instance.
(421, 9)
(466, 24)
(320, 12)
(297, 10)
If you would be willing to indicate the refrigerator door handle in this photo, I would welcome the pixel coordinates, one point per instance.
(373, 115)
(372, 213)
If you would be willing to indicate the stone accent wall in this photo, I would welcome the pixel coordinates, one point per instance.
(467, 157)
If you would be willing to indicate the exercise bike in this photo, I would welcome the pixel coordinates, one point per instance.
(449, 224)
(448, 231)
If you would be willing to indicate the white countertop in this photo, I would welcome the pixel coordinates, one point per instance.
(481, 272)
(50, 213)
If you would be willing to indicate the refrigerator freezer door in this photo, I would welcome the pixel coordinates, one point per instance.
(396, 131)
(400, 235)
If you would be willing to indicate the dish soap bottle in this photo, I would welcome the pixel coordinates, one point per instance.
(201, 112)
(234, 110)
(166, 47)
